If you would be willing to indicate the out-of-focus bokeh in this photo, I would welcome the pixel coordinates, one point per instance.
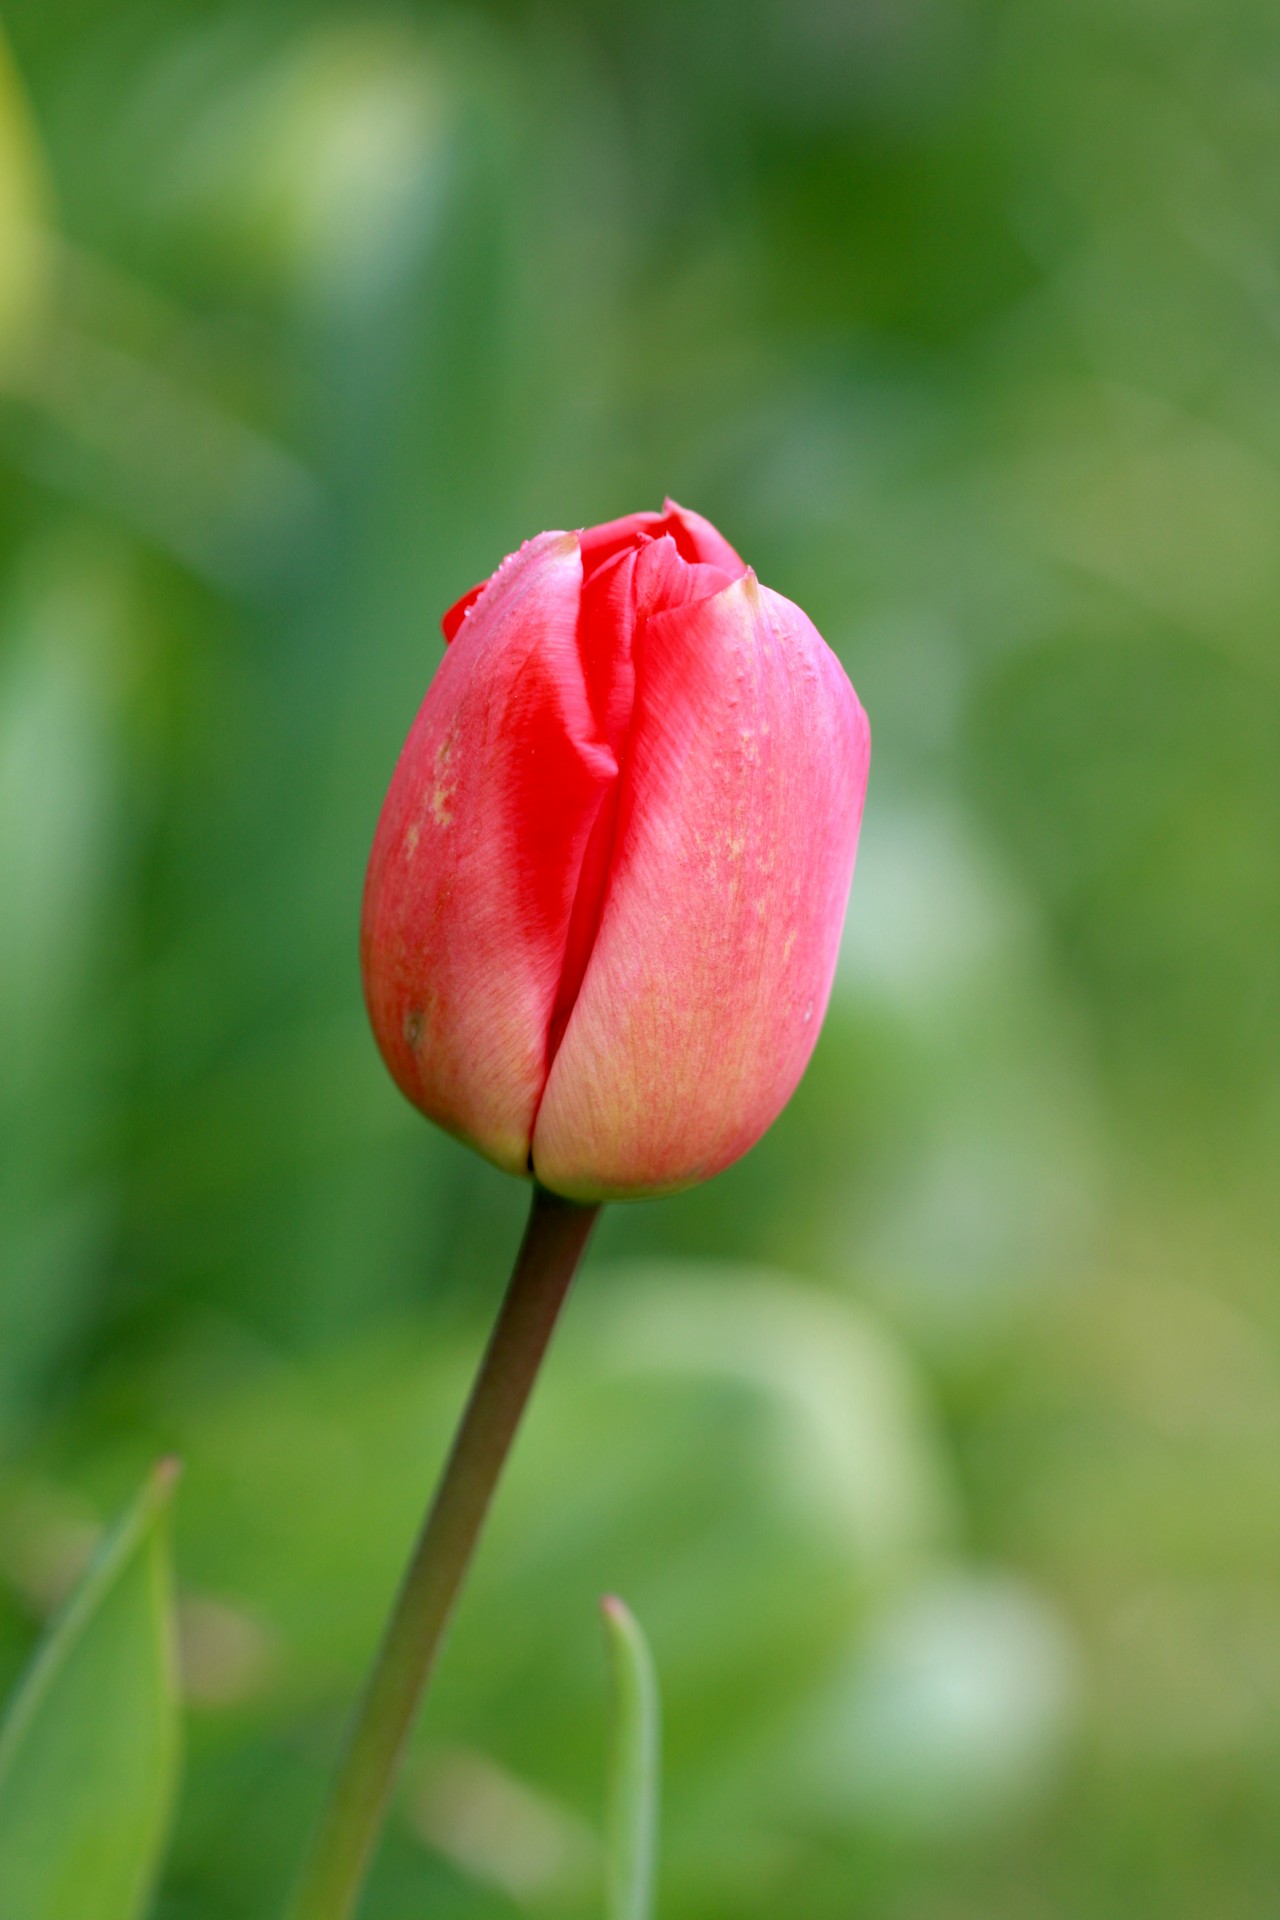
(938, 1443)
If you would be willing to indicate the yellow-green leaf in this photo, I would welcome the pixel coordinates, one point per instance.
(24, 203)
(89, 1749)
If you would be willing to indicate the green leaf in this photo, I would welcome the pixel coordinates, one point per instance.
(634, 1764)
(89, 1749)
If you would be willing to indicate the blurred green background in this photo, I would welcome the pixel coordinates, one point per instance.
(938, 1443)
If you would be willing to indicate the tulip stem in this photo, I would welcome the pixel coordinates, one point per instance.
(553, 1245)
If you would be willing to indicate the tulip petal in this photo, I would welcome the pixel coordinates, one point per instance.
(738, 817)
(478, 854)
(451, 622)
(697, 539)
(617, 595)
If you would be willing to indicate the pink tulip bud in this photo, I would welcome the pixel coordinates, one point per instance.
(606, 891)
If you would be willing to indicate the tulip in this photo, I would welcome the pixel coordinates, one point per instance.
(606, 890)
(600, 925)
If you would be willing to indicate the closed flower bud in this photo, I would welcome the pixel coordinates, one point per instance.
(606, 891)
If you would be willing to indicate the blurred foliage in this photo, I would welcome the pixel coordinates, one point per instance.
(935, 1444)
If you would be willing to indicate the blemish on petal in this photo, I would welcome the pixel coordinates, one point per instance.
(440, 803)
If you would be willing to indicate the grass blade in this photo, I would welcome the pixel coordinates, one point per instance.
(634, 1768)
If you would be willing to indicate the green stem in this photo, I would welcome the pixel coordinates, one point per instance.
(554, 1242)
